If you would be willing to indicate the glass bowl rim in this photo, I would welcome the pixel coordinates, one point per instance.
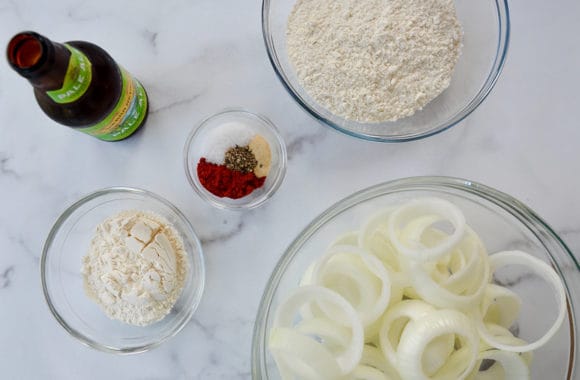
(280, 172)
(503, 43)
(506, 202)
(50, 239)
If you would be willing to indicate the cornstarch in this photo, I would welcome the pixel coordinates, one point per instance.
(135, 268)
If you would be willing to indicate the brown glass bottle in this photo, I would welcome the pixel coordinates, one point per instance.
(79, 85)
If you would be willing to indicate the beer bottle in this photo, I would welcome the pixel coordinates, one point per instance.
(79, 85)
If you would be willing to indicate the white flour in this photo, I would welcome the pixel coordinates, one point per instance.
(374, 60)
(135, 268)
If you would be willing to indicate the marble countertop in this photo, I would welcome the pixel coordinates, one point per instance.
(195, 58)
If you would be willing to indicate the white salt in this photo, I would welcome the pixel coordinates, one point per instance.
(223, 137)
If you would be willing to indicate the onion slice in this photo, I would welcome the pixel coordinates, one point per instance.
(500, 306)
(429, 289)
(366, 270)
(513, 366)
(408, 223)
(298, 355)
(418, 334)
(394, 323)
(374, 238)
(364, 372)
(373, 357)
(289, 310)
(505, 336)
(327, 330)
(549, 275)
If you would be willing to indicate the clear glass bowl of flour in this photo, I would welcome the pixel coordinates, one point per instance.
(68, 242)
(486, 28)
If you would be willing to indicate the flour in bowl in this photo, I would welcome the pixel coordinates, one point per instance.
(374, 60)
(135, 268)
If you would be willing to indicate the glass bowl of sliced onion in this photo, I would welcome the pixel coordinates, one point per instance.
(421, 278)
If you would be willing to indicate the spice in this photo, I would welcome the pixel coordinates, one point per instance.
(261, 150)
(220, 138)
(240, 158)
(227, 183)
(234, 160)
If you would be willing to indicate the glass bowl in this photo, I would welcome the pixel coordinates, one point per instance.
(486, 27)
(62, 282)
(257, 124)
(502, 222)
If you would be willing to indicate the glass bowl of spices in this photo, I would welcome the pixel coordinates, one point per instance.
(388, 71)
(122, 270)
(235, 159)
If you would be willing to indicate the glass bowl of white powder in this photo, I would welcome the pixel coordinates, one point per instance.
(387, 71)
(122, 270)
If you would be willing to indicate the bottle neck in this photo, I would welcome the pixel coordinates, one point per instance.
(43, 62)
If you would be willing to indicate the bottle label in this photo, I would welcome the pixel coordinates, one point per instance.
(127, 115)
(76, 80)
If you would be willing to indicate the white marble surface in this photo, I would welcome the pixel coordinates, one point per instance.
(196, 57)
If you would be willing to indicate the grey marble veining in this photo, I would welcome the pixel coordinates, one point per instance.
(6, 276)
(196, 58)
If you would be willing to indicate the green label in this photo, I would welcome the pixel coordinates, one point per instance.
(76, 80)
(127, 115)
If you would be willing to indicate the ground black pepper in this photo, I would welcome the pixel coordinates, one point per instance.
(240, 158)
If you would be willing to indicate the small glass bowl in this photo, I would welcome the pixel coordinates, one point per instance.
(502, 222)
(62, 282)
(255, 123)
(486, 30)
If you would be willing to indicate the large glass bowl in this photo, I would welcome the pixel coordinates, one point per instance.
(486, 29)
(62, 282)
(503, 223)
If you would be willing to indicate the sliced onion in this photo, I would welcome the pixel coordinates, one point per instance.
(377, 267)
(500, 306)
(373, 357)
(363, 372)
(549, 275)
(455, 270)
(505, 336)
(374, 238)
(288, 310)
(330, 332)
(307, 276)
(302, 356)
(507, 366)
(419, 333)
(351, 280)
(348, 277)
(428, 289)
(394, 323)
(354, 294)
(407, 224)
(366, 270)
(437, 353)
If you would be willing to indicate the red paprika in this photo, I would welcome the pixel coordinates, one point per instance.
(224, 182)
